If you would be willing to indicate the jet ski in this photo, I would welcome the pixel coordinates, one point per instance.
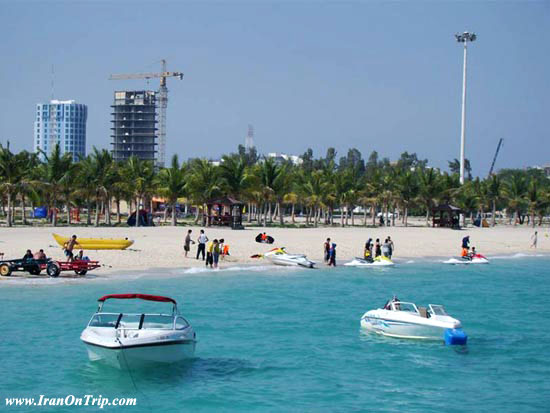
(380, 261)
(474, 259)
(279, 256)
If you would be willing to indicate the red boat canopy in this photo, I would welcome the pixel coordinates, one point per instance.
(141, 296)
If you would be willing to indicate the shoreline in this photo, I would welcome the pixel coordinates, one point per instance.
(24, 279)
(161, 248)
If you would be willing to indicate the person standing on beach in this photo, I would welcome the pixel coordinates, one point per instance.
(392, 247)
(216, 253)
(69, 246)
(332, 255)
(188, 241)
(202, 240)
(326, 247)
(534, 240)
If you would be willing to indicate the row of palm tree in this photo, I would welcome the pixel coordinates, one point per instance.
(319, 189)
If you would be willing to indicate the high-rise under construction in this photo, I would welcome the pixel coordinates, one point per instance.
(134, 125)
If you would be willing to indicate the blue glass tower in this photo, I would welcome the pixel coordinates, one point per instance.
(62, 122)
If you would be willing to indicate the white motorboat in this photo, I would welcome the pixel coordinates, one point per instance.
(379, 261)
(279, 256)
(124, 340)
(406, 320)
(474, 259)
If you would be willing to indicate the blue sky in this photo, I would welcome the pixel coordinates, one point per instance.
(382, 76)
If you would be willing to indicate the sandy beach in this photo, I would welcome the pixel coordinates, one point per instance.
(162, 247)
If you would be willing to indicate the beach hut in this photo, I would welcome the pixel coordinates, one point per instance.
(446, 216)
(225, 211)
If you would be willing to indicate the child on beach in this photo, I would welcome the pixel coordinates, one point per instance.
(69, 246)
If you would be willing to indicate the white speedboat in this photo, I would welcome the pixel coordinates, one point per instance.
(406, 320)
(475, 259)
(279, 256)
(379, 261)
(124, 340)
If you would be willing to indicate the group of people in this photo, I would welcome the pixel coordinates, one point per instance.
(39, 255)
(211, 251)
(330, 253)
(376, 249)
(466, 253)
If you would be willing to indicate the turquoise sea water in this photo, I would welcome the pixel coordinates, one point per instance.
(289, 340)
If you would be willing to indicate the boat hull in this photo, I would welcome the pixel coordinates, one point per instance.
(155, 353)
(400, 329)
(359, 262)
(97, 243)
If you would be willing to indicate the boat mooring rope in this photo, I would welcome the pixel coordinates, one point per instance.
(132, 376)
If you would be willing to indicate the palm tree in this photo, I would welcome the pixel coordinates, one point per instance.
(494, 192)
(515, 189)
(407, 188)
(203, 183)
(268, 174)
(314, 188)
(55, 170)
(533, 198)
(171, 184)
(139, 175)
(430, 189)
(11, 170)
(234, 175)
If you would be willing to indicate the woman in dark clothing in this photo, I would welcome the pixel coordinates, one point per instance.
(377, 248)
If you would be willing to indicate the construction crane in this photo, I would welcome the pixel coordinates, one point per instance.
(495, 157)
(163, 102)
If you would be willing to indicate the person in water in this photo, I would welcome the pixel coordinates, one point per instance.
(367, 253)
(332, 258)
(377, 248)
(392, 247)
(386, 248)
(368, 248)
(326, 250)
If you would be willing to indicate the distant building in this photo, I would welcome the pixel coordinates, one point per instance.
(61, 122)
(134, 125)
(283, 157)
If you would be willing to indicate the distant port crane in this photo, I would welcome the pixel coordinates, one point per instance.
(163, 102)
(495, 157)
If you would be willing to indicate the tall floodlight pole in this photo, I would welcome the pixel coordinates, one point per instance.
(464, 38)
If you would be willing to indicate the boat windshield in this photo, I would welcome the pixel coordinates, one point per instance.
(104, 320)
(158, 321)
(437, 309)
(137, 321)
(401, 306)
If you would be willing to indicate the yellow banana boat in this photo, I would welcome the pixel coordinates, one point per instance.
(97, 243)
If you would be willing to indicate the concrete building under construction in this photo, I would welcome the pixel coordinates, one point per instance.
(134, 125)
